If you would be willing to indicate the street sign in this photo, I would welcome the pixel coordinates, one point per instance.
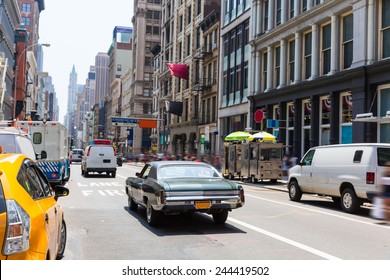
(125, 124)
(124, 120)
(272, 123)
(259, 115)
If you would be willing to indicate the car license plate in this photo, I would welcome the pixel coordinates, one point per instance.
(202, 204)
(106, 160)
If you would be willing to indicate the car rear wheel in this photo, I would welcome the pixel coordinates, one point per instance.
(220, 217)
(294, 191)
(349, 201)
(152, 216)
(132, 204)
(61, 248)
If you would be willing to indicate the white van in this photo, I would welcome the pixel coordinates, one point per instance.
(99, 158)
(348, 173)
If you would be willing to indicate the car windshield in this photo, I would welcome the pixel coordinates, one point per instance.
(187, 171)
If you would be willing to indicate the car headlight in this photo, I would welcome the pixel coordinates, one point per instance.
(18, 229)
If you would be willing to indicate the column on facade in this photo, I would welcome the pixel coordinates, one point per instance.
(271, 14)
(296, 8)
(297, 128)
(284, 11)
(257, 77)
(315, 52)
(298, 58)
(334, 45)
(283, 63)
(334, 118)
(270, 66)
(315, 120)
(370, 32)
(256, 18)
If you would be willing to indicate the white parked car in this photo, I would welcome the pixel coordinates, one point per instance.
(99, 157)
(348, 173)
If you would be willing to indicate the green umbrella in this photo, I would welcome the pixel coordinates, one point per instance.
(237, 136)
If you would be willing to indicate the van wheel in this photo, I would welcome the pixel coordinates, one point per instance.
(294, 191)
(113, 174)
(349, 201)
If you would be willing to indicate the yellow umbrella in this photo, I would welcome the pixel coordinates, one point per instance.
(237, 136)
(262, 136)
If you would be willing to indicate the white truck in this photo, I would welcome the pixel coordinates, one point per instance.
(50, 139)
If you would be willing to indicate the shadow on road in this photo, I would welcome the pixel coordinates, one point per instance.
(184, 224)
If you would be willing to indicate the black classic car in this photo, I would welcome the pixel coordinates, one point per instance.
(172, 187)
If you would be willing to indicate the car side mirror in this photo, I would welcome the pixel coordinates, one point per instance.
(138, 174)
(60, 191)
(43, 154)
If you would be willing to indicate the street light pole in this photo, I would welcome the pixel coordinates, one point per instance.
(16, 74)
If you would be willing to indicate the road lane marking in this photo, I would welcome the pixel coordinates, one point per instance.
(316, 211)
(103, 192)
(285, 240)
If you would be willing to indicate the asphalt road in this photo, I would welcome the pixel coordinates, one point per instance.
(269, 227)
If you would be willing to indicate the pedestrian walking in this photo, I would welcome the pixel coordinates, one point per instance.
(382, 199)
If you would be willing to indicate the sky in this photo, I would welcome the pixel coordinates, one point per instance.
(77, 30)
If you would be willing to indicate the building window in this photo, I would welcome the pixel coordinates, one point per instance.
(277, 67)
(278, 18)
(26, 21)
(290, 127)
(291, 62)
(307, 55)
(347, 44)
(306, 124)
(188, 45)
(325, 120)
(199, 7)
(326, 47)
(188, 15)
(291, 8)
(303, 5)
(265, 15)
(385, 28)
(264, 71)
(26, 7)
(384, 101)
(145, 108)
(119, 67)
(346, 118)
(181, 23)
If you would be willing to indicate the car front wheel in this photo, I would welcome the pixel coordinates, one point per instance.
(61, 247)
(220, 217)
(294, 191)
(132, 204)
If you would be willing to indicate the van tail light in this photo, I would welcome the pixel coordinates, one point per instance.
(242, 196)
(370, 177)
(114, 151)
(18, 229)
(89, 150)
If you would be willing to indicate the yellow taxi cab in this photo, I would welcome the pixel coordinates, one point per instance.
(32, 224)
